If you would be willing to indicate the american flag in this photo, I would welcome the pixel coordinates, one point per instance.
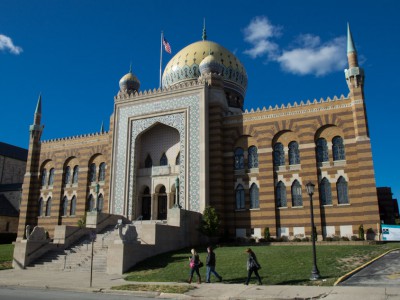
(167, 46)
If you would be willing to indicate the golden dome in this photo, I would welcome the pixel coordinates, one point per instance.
(184, 66)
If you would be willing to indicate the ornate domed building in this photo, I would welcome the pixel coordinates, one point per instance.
(171, 152)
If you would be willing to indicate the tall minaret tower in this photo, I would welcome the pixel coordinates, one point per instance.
(30, 188)
(355, 81)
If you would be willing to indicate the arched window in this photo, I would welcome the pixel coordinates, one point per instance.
(294, 155)
(44, 175)
(75, 175)
(178, 159)
(51, 177)
(338, 148)
(65, 206)
(253, 157)
(325, 192)
(100, 202)
(280, 195)
(254, 201)
(148, 163)
(240, 201)
(239, 159)
(279, 155)
(92, 172)
(67, 175)
(90, 203)
(40, 208)
(163, 160)
(296, 194)
(102, 171)
(342, 191)
(73, 206)
(48, 207)
(322, 150)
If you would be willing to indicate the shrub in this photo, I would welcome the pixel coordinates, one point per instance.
(361, 232)
(7, 237)
(267, 234)
(296, 239)
(305, 239)
(209, 222)
(344, 238)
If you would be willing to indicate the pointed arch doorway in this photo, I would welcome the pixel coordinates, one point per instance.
(162, 204)
(146, 204)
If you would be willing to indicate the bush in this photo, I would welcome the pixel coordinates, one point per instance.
(344, 238)
(355, 238)
(361, 232)
(296, 239)
(267, 234)
(210, 222)
(7, 237)
(305, 239)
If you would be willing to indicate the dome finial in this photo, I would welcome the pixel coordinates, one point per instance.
(204, 37)
(130, 68)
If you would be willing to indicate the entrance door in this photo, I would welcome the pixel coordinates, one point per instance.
(146, 208)
(162, 204)
(146, 204)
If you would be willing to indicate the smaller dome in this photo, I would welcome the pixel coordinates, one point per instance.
(210, 65)
(129, 83)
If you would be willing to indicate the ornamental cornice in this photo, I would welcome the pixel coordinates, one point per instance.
(288, 110)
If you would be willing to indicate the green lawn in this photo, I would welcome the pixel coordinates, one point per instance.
(289, 265)
(6, 254)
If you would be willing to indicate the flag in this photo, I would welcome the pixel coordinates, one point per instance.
(167, 46)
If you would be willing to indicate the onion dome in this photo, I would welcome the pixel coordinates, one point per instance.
(129, 83)
(210, 65)
(185, 66)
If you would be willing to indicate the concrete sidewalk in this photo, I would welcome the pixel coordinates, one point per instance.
(80, 281)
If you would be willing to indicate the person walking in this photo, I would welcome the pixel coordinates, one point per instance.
(195, 264)
(252, 266)
(210, 265)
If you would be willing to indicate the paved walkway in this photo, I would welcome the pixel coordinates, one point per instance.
(80, 281)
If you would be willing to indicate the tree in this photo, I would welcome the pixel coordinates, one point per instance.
(210, 222)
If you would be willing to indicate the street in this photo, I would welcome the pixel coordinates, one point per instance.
(383, 272)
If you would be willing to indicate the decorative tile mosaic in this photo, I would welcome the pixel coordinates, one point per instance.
(188, 126)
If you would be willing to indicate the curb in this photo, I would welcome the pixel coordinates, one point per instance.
(344, 277)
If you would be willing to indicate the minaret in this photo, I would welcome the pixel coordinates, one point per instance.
(31, 185)
(354, 74)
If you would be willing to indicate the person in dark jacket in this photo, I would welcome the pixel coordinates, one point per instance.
(252, 266)
(194, 263)
(210, 265)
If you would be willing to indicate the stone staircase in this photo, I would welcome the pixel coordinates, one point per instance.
(78, 256)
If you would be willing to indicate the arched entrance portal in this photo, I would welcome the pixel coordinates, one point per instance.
(162, 204)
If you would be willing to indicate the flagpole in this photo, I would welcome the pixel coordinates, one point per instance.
(161, 50)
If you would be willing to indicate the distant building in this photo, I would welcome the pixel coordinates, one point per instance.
(388, 207)
(170, 153)
(12, 170)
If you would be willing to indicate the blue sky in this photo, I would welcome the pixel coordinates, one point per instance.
(74, 53)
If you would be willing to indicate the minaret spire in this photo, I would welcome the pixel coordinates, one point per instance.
(351, 49)
(354, 74)
(350, 43)
(38, 111)
(102, 127)
(204, 37)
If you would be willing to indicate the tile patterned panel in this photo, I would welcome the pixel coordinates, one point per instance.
(188, 126)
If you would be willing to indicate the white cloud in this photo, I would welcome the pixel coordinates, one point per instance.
(6, 44)
(314, 58)
(307, 56)
(258, 33)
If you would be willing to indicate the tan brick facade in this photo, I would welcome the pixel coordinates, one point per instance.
(224, 128)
